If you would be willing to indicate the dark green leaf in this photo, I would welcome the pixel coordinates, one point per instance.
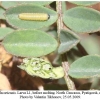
(13, 19)
(85, 67)
(61, 81)
(68, 40)
(57, 60)
(29, 43)
(73, 55)
(82, 19)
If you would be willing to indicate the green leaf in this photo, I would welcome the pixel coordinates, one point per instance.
(7, 4)
(91, 44)
(29, 43)
(64, 6)
(57, 60)
(68, 40)
(37, 2)
(61, 81)
(85, 67)
(13, 19)
(4, 32)
(84, 3)
(82, 19)
(53, 33)
(1, 13)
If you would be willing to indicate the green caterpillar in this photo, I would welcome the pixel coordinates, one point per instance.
(41, 68)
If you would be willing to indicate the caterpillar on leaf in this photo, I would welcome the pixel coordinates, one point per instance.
(34, 16)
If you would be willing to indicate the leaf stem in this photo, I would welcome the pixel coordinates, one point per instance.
(65, 65)
(59, 21)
